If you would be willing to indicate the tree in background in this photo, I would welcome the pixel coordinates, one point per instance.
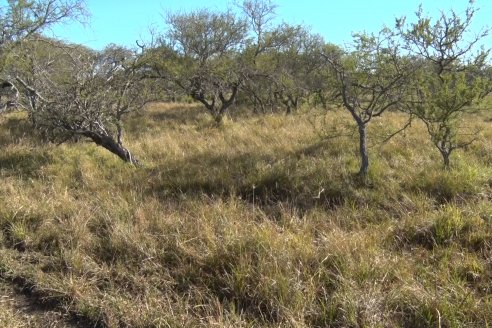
(20, 19)
(199, 54)
(282, 68)
(257, 85)
(30, 62)
(450, 78)
(298, 62)
(283, 62)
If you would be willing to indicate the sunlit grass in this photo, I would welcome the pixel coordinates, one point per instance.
(259, 222)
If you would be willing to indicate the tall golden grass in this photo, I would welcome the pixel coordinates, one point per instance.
(258, 223)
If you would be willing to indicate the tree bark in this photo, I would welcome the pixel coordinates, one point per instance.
(218, 118)
(445, 158)
(364, 157)
(114, 147)
(288, 110)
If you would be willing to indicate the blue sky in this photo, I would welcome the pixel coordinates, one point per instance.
(123, 22)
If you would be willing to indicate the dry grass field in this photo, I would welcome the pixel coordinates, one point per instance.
(260, 222)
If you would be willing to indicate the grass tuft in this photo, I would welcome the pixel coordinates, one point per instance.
(261, 222)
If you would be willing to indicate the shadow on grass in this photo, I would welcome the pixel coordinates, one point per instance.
(40, 304)
(447, 186)
(23, 163)
(178, 113)
(15, 128)
(159, 116)
(257, 179)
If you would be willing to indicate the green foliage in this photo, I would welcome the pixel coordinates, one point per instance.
(460, 181)
(370, 80)
(199, 55)
(21, 19)
(448, 225)
(449, 80)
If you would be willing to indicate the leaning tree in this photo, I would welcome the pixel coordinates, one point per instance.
(88, 95)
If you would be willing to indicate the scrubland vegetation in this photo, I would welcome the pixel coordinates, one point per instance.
(246, 225)
(274, 179)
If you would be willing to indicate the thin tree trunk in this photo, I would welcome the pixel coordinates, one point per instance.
(218, 118)
(296, 103)
(445, 158)
(289, 109)
(364, 157)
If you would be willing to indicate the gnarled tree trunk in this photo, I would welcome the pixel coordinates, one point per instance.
(113, 146)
